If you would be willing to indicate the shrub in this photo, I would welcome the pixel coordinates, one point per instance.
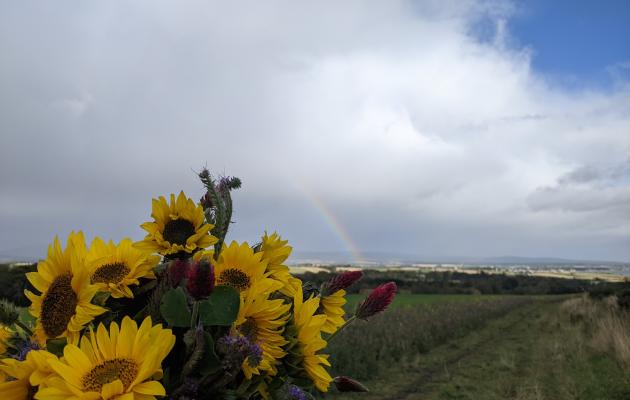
(13, 282)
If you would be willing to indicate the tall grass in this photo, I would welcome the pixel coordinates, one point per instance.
(608, 325)
(400, 335)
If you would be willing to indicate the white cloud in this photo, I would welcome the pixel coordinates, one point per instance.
(395, 113)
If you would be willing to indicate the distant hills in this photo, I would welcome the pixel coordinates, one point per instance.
(388, 258)
(23, 254)
(542, 260)
(35, 253)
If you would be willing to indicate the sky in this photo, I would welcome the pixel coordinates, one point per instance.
(429, 128)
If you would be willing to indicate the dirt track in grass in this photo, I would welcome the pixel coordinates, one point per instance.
(534, 352)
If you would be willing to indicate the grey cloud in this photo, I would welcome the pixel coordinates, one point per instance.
(582, 199)
(592, 173)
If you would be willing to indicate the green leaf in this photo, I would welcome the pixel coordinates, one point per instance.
(221, 308)
(26, 317)
(150, 285)
(174, 308)
(100, 298)
(56, 346)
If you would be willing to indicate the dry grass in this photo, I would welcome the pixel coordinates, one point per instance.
(613, 335)
(608, 325)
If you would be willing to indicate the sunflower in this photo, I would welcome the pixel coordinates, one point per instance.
(63, 307)
(238, 266)
(5, 335)
(121, 363)
(309, 335)
(262, 321)
(275, 252)
(332, 307)
(207, 255)
(178, 229)
(22, 378)
(114, 268)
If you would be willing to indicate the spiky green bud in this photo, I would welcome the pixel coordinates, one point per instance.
(9, 313)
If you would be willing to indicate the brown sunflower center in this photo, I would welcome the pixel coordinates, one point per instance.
(248, 329)
(108, 371)
(110, 273)
(177, 231)
(58, 306)
(236, 278)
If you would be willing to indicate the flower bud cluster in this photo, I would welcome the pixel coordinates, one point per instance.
(341, 281)
(378, 300)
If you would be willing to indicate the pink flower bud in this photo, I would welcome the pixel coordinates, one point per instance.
(341, 281)
(377, 301)
(177, 270)
(200, 279)
(346, 384)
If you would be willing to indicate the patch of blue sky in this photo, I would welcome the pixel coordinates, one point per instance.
(577, 44)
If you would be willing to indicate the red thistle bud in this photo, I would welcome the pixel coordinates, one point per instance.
(341, 281)
(177, 271)
(346, 384)
(377, 301)
(200, 280)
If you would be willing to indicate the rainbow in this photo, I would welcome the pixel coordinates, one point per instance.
(333, 223)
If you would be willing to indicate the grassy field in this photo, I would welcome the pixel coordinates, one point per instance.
(404, 299)
(407, 330)
(545, 349)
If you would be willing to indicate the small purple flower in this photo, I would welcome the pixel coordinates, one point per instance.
(238, 348)
(254, 358)
(24, 348)
(232, 343)
(295, 393)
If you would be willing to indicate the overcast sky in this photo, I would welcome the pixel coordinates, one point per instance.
(429, 128)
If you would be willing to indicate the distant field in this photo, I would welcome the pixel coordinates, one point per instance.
(406, 300)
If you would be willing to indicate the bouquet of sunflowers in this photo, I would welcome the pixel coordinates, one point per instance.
(180, 314)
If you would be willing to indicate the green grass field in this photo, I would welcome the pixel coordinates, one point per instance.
(534, 351)
(406, 300)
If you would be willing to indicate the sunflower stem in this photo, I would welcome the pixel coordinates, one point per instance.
(348, 322)
(195, 314)
(25, 328)
(242, 388)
